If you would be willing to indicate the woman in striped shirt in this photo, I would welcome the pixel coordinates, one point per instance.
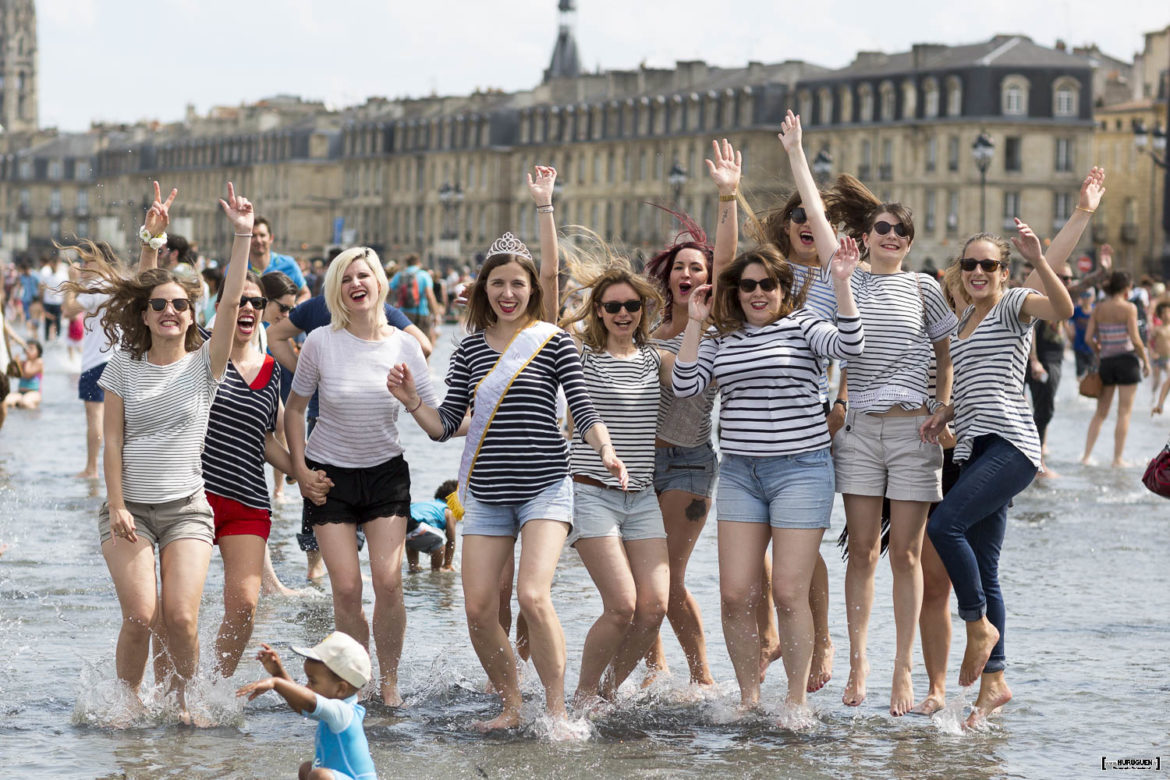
(159, 388)
(356, 444)
(776, 478)
(515, 477)
(878, 453)
(998, 446)
(240, 438)
(619, 532)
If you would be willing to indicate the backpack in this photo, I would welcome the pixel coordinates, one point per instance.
(408, 294)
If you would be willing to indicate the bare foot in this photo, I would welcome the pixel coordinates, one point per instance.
(87, 474)
(821, 670)
(1087, 460)
(993, 694)
(981, 639)
(1046, 472)
(767, 656)
(934, 701)
(316, 565)
(855, 688)
(505, 720)
(1118, 463)
(901, 691)
(390, 695)
(278, 589)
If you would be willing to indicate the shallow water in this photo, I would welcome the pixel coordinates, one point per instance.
(1084, 572)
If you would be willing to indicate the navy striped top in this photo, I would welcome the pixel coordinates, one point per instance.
(233, 452)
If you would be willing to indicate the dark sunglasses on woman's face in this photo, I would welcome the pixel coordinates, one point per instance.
(800, 216)
(882, 227)
(284, 308)
(749, 285)
(987, 266)
(256, 301)
(613, 307)
(179, 304)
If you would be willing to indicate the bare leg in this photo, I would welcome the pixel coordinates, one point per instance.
(386, 538)
(270, 584)
(315, 563)
(243, 561)
(766, 620)
(821, 670)
(907, 522)
(684, 515)
(605, 560)
(338, 542)
(934, 624)
(131, 566)
(863, 518)
(1104, 401)
(183, 564)
(540, 549)
(741, 567)
(993, 694)
(651, 569)
(1125, 398)
(94, 412)
(485, 559)
(796, 551)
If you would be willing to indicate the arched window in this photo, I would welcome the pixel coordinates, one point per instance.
(1066, 92)
(954, 96)
(804, 106)
(825, 101)
(1013, 96)
(889, 100)
(909, 99)
(865, 98)
(845, 101)
(930, 98)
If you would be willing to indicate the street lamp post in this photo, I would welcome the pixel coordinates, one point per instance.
(677, 178)
(983, 150)
(450, 196)
(1155, 144)
(823, 165)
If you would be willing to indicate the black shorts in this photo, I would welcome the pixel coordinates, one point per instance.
(360, 495)
(1123, 369)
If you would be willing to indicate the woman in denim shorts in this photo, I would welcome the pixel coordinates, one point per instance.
(159, 388)
(618, 532)
(776, 478)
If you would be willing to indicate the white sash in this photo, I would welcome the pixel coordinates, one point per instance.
(490, 391)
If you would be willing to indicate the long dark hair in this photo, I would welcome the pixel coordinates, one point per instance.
(726, 314)
(850, 202)
(692, 236)
(479, 310)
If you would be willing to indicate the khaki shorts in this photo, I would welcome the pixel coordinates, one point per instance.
(161, 524)
(885, 456)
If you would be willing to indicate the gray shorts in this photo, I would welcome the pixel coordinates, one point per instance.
(555, 502)
(161, 524)
(628, 515)
(885, 456)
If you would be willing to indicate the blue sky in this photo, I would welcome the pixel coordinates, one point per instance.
(117, 60)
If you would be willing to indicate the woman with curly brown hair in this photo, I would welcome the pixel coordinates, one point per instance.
(159, 388)
(776, 480)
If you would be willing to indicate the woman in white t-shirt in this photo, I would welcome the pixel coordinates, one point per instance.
(356, 444)
(158, 392)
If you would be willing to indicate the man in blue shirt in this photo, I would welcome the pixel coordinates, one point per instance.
(263, 260)
(413, 291)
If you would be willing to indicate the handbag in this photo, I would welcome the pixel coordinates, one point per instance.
(1091, 385)
(1157, 476)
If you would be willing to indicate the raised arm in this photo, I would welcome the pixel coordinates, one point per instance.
(239, 213)
(280, 336)
(1062, 246)
(154, 232)
(541, 188)
(824, 236)
(725, 169)
(1055, 304)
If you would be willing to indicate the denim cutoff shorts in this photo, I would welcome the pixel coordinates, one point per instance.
(784, 491)
(555, 502)
(628, 515)
(690, 469)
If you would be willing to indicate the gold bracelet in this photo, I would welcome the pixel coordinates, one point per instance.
(727, 198)
(1087, 211)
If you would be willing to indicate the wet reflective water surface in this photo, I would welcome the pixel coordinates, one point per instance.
(1084, 571)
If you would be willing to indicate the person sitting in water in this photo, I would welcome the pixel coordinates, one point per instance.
(336, 669)
(27, 394)
(431, 529)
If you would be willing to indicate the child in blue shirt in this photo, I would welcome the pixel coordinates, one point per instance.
(431, 529)
(337, 669)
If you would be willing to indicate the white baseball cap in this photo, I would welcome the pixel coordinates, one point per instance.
(343, 655)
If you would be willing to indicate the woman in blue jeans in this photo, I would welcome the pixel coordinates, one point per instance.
(776, 479)
(998, 445)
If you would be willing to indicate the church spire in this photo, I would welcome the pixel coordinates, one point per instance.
(565, 62)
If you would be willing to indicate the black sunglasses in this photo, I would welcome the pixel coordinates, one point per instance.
(257, 301)
(750, 285)
(800, 216)
(987, 266)
(284, 308)
(882, 227)
(179, 304)
(613, 307)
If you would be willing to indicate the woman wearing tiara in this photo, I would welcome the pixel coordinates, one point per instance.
(514, 476)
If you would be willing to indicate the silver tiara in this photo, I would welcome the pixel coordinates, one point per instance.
(508, 244)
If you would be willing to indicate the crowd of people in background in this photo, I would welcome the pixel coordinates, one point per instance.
(588, 424)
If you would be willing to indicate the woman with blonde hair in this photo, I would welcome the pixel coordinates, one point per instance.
(356, 444)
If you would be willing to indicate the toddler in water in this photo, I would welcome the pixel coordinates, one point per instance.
(431, 529)
(337, 669)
